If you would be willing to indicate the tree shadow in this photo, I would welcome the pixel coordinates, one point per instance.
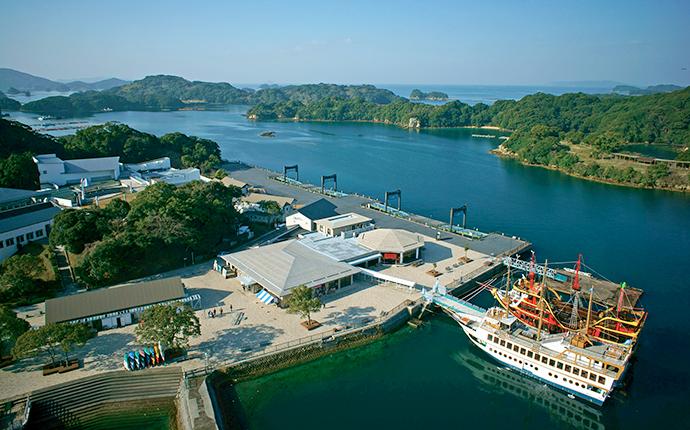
(351, 317)
(106, 351)
(433, 252)
(240, 341)
(210, 297)
(346, 291)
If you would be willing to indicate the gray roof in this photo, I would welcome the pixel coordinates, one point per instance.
(337, 248)
(106, 300)
(286, 265)
(81, 165)
(92, 164)
(391, 240)
(14, 194)
(320, 209)
(26, 216)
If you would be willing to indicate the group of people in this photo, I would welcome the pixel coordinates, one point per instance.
(217, 312)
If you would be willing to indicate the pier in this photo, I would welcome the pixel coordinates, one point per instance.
(493, 244)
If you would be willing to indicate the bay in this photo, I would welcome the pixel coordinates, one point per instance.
(418, 377)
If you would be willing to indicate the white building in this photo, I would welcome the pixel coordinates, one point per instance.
(174, 176)
(306, 216)
(347, 225)
(55, 171)
(22, 225)
(149, 166)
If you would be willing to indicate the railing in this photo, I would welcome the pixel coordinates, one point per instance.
(271, 349)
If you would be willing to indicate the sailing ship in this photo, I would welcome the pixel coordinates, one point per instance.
(576, 360)
(562, 311)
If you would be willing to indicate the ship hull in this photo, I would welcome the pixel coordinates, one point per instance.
(525, 369)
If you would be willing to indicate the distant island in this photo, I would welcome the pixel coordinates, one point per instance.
(21, 82)
(164, 92)
(435, 96)
(630, 90)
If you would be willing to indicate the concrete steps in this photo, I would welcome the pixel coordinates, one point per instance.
(73, 403)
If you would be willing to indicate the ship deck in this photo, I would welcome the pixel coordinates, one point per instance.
(604, 291)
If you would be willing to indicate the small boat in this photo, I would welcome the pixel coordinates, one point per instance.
(160, 350)
(132, 361)
(125, 362)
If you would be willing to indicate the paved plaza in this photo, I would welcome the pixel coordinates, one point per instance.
(250, 327)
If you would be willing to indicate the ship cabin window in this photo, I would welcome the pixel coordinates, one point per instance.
(523, 351)
(544, 360)
(559, 365)
(576, 371)
(592, 377)
(516, 348)
(509, 345)
(503, 342)
(602, 380)
(529, 354)
(536, 357)
(552, 362)
(612, 368)
(584, 374)
(491, 338)
(568, 368)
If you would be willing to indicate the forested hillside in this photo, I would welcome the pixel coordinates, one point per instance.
(19, 142)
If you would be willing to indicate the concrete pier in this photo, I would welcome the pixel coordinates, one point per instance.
(493, 244)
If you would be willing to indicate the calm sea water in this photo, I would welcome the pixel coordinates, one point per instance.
(433, 377)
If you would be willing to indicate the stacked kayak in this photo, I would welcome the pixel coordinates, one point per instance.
(148, 356)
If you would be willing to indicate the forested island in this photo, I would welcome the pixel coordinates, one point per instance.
(434, 96)
(575, 133)
(163, 92)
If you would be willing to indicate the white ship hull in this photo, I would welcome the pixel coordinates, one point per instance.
(580, 387)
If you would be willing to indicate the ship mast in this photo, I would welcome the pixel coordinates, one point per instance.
(574, 314)
(589, 310)
(541, 300)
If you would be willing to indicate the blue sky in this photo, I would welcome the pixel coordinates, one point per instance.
(432, 42)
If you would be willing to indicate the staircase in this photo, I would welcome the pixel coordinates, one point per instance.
(74, 404)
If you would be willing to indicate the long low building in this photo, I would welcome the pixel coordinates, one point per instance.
(25, 224)
(117, 306)
(273, 271)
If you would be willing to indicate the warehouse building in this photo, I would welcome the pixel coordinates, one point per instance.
(272, 271)
(117, 306)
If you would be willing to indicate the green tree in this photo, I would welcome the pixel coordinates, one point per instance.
(11, 327)
(69, 336)
(269, 206)
(52, 338)
(172, 324)
(19, 273)
(302, 301)
(75, 228)
(19, 171)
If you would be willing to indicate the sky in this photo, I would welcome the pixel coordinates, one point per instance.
(401, 42)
